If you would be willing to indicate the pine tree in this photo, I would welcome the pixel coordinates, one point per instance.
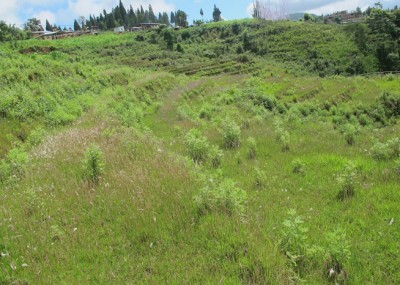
(152, 16)
(123, 13)
(172, 17)
(76, 26)
(48, 26)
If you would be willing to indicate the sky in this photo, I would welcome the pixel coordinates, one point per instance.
(63, 12)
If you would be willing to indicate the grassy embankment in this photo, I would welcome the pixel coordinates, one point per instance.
(178, 205)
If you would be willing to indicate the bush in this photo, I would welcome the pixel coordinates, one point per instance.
(397, 167)
(350, 132)
(197, 146)
(224, 197)
(385, 151)
(298, 167)
(215, 156)
(231, 133)
(347, 182)
(93, 164)
(252, 148)
(259, 179)
(380, 151)
(337, 253)
(293, 242)
(284, 140)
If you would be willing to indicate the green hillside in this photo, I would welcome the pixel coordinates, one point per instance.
(242, 152)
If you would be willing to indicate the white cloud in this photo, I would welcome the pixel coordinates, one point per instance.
(157, 5)
(338, 6)
(46, 15)
(8, 12)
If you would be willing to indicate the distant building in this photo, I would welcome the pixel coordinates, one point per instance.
(146, 26)
(120, 29)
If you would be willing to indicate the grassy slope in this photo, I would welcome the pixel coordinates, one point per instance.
(140, 225)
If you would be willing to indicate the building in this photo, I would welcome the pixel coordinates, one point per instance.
(120, 29)
(146, 26)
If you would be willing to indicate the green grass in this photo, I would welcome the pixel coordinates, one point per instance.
(156, 216)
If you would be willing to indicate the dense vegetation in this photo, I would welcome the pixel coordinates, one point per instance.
(235, 152)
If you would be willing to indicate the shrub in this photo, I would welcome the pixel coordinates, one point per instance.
(298, 167)
(93, 164)
(390, 104)
(16, 160)
(337, 253)
(36, 137)
(231, 133)
(215, 156)
(259, 179)
(380, 151)
(385, 151)
(197, 146)
(293, 242)
(252, 148)
(284, 140)
(350, 132)
(347, 182)
(224, 197)
(397, 167)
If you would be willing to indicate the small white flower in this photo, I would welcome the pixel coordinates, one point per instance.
(24, 265)
(331, 272)
(151, 245)
(75, 229)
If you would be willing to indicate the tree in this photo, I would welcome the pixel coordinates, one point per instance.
(122, 12)
(181, 18)
(76, 26)
(169, 39)
(48, 26)
(152, 16)
(33, 25)
(82, 22)
(216, 14)
(172, 18)
(202, 13)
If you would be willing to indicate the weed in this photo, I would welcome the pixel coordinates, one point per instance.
(252, 148)
(294, 239)
(337, 254)
(385, 151)
(397, 167)
(298, 166)
(231, 134)
(259, 179)
(93, 164)
(347, 182)
(197, 146)
(215, 155)
(223, 197)
(350, 132)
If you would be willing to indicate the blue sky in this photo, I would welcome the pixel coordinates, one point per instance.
(63, 12)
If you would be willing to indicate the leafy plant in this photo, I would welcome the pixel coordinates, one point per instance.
(252, 148)
(223, 197)
(197, 146)
(294, 238)
(337, 254)
(350, 132)
(231, 133)
(298, 166)
(215, 156)
(259, 178)
(347, 182)
(93, 164)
